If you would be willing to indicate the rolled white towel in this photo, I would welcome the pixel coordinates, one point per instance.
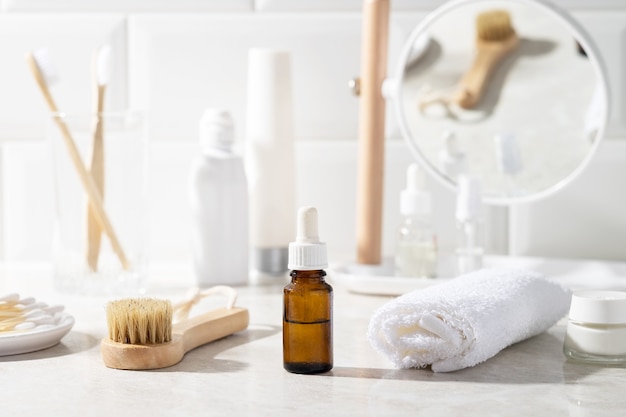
(467, 320)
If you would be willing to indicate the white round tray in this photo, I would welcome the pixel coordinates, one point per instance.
(35, 339)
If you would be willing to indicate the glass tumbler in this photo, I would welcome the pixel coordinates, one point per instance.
(85, 258)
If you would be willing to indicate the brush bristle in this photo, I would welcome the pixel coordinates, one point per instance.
(103, 65)
(140, 321)
(494, 26)
(46, 65)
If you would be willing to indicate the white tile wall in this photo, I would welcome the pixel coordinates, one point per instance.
(211, 69)
(326, 178)
(590, 4)
(305, 5)
(402, 5)
(245, 5)
(27, 202)
(607, 30)
(176, 58)
(126, 5)
(587, 219)
(340, 5)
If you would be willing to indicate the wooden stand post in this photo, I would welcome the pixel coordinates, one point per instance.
(372, 131)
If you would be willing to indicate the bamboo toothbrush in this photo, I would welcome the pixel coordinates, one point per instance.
(101, 73)
(141, 334)
(45, 74)
(495, 39)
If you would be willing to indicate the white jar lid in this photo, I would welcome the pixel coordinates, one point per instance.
(599, 307)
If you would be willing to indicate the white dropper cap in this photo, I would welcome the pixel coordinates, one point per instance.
(469, 198)
(415, 199)
(216, 129)
(508, 154)
(307, 253)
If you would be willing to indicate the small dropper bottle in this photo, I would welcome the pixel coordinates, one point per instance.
(416, 243)
(451, 159)
(308, 302)
(469, 250)
(509, 160)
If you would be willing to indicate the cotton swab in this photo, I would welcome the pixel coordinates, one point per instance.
(25, 314)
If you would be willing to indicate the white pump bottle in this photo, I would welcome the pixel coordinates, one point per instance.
(218, 197)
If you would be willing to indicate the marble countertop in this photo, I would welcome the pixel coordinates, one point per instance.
(243, 375)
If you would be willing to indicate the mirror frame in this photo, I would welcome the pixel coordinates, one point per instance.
(580, 35)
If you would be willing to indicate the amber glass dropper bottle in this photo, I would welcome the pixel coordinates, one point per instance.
(308, 302)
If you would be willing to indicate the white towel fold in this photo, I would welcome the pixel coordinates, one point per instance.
(465, 321)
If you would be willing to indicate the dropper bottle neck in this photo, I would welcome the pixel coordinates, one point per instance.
(317, 275)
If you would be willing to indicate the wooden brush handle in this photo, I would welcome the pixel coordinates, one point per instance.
(211, 326)
(372, 131)
(473, 82)
(83, 174)
(472, 85)
(96, 169)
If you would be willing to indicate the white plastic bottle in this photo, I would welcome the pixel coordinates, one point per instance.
(469, 250)
(218, 196)
(416, 244)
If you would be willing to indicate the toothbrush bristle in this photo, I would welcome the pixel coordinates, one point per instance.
(103, 65)
(494, 26)
(46, 66)
(139, 321)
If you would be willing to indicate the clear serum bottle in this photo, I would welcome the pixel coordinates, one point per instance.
(416, 244)
(308, 302)
(469, 222)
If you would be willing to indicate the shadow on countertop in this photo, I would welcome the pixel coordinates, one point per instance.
(538, 360)
(202, 359)
(73, 342)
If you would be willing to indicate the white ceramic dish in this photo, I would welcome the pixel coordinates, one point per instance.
(380, 280)
(35, 339)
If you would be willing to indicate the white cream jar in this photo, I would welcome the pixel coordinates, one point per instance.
(596, 329)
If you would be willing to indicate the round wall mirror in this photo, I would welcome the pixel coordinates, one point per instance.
(510, 91)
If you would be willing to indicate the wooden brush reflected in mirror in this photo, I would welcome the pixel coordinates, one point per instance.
(532, 84)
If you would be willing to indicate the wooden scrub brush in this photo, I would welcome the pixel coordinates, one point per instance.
(495, 39)
(142, 336)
